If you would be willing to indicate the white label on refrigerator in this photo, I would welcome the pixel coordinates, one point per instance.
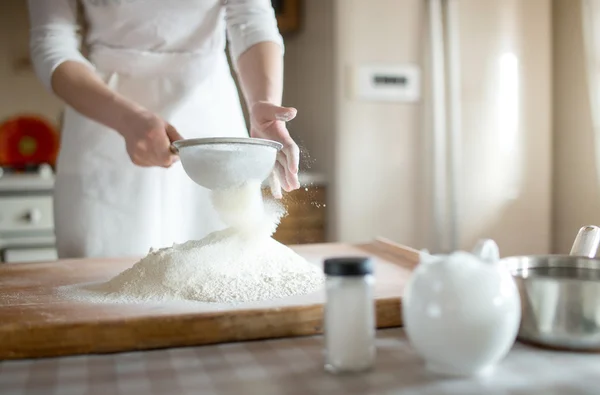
(393, 83)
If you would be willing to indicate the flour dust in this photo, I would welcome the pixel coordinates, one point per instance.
(241, 263)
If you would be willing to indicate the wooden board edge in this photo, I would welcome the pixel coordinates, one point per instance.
(401, 255)
(410, 254)
(122, 335)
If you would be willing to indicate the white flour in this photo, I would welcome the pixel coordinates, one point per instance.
(239, 264)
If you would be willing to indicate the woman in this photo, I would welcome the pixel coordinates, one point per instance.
(156, 71)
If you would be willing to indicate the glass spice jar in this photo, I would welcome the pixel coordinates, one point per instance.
(349, 321)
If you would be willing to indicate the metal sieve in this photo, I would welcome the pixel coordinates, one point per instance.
(221, 163)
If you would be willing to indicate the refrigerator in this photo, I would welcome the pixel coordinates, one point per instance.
(486, 144)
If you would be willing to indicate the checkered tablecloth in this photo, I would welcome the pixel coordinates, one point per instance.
(292, 366)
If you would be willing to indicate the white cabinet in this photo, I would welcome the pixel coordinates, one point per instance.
(26, 217)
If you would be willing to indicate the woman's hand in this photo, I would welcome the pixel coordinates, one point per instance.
(148, 139)
(267, 121)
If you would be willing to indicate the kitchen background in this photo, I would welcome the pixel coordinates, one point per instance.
(374, 166)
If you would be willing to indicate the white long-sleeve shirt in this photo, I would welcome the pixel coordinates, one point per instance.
(148, 26)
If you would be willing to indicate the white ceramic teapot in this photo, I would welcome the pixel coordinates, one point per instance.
(462, 311)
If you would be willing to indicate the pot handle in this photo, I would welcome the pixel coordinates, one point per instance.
(487, 250)
(587, 241)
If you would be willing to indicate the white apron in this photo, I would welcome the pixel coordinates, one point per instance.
(104, 205)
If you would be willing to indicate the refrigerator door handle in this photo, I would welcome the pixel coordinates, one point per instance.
(438, 125)
(445, 124)
(454, 121)
(590, 18)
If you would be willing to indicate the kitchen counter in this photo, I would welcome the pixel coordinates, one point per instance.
(293, 366)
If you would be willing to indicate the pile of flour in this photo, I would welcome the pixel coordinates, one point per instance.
(241, 263)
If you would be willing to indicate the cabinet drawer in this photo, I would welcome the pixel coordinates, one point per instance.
(29, 255)
(26, 213)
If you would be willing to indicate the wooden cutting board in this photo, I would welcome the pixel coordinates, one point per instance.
(36, 322)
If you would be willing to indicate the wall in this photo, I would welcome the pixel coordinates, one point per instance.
(309, 82)
(20, 91)
(374, 154)
(576, 193)
(506, 124)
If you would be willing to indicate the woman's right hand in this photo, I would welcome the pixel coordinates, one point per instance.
(148, 139)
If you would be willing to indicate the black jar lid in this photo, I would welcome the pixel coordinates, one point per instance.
(348, 266)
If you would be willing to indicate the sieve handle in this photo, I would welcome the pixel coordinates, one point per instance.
(587, 241)
(173, 150)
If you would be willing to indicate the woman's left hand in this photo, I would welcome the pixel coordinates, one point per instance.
(267, 121)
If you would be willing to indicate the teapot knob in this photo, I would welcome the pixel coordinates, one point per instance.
(487, 250)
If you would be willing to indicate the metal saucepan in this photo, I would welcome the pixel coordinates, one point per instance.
(220, 163)
(560, 295)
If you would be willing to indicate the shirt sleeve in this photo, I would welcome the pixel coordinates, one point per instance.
(250, 22)
(53, 36)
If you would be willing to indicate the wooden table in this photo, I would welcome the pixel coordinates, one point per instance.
(293, 366)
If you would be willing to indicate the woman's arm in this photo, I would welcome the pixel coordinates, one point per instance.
(257, 50)
(66, 72)
(260, 69)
